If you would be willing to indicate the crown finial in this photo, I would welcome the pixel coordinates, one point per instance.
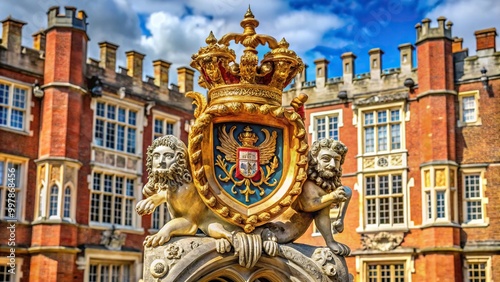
(248, 138)
(211, 40)
(249, 13)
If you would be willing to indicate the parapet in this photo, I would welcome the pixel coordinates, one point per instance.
(424, 31)
(71, 18)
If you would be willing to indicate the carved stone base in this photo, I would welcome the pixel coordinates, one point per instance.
(187, 259)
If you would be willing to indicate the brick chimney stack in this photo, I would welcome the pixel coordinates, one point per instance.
(456, 45)
(161, 69)
(485, 39)
(185, 77)
(108, 55)
(134, 64)
(39, 40)
(12, 34)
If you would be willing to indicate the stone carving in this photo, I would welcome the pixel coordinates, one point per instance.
(369, 163)
(382, 241)
(113, 239)
(170, 182)
(203, 263)
(321, 189)
(246, 178)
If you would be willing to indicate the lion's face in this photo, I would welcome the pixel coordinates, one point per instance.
(328, 163)
(162, 160)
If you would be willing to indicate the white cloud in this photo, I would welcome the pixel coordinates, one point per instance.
(468, 17)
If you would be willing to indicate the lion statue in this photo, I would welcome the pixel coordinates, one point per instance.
(170, 182)
(321, 190)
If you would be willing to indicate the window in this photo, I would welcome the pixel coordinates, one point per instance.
(384, 200)
(474, 201)
(165, 125)
(469, 108)
(385, 272)
(115, 127)
(5, 275)
(54, 203)
(13, 106)
(477, 269)
(11, 185)
(109, 272)
(326, 125)
(67, 203)
(439, 194)
(113, 199)
(382, 130)
(160, 217)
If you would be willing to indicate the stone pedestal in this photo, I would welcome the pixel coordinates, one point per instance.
(186, 259)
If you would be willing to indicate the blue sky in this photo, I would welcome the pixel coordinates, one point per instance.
(173, 30)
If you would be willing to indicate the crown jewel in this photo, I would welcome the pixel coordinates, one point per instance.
(225, 78)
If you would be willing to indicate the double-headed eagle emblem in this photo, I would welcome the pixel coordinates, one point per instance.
(247, 160)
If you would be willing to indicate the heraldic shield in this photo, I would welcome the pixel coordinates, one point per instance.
(247, 151)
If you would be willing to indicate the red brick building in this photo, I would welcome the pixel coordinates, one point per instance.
(74, 134)
(423, 160)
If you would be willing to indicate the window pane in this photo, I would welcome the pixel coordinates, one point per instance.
(333, 129)
(130, 187)
(3, 115)
(132, 116)
(440, 204)
(100, 109)
(2, 165)
(472, 186)
(384, 211)
(19, 100)
(67, 202)
(4, 94)
(397, 184)
(382, 138)
(158, 126)
(118, 210)
(120, 138)
(170, 128)
(371, 211)
(369, 140)
(429, 204)
(395, 136)
(370, 186)
(398, 210)
(121, 114)
(469, 108)
(94, 207)
(474, 210)
(99, 132)
(53, 200)
(321, 128)
(108, 183)
(381, 117)
(368, 118)
(395, 115)
(131, 141)
(110, 135)
(477, 271)
(106, 209)
(111, 112)
(384, 185)
(17, 119)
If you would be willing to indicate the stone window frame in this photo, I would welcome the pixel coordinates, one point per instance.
(359, 121)
(484, 200)
(470, 259)
(128, 106)
(28, 105)
(477, 120)
(323, 114)
(166, 119)
(431, 187)
(136, 219)
(4, 261)
(109, 257)
(21, 190)
(360, 187)
(362, 262)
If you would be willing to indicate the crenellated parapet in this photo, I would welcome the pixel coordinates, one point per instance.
(425, 31)
(71, 18)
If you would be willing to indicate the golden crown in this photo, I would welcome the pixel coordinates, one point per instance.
(226, 79)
